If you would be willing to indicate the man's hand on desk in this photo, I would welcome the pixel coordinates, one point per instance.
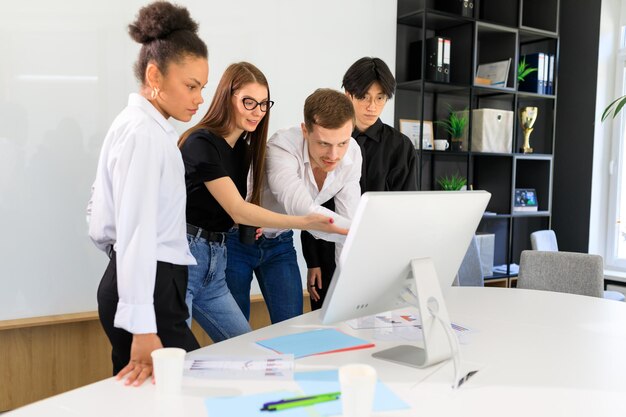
(314, 280)
(140, 366)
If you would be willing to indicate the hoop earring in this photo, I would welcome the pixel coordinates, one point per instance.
(155, 93)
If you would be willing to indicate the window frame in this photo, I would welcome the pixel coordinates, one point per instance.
(617, 166)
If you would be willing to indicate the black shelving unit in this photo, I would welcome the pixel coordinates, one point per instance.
(493, 30)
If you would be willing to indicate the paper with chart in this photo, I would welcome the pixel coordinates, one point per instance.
(274, 367)
(400, 325)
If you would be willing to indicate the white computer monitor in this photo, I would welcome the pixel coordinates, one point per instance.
(403, 248)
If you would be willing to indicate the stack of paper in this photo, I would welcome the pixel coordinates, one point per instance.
(315, 342)
(311, 383)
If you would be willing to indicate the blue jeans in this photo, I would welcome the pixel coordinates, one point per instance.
(275, 265)
(209, 301)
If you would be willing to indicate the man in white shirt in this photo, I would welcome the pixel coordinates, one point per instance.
(306, 166)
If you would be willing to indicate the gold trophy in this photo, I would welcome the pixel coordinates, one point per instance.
(527, 117)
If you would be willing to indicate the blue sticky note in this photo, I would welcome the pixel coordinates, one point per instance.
(314, 342)
(250, 405)
(313, 383)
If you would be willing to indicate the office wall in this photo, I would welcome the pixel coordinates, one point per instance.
(65, 72)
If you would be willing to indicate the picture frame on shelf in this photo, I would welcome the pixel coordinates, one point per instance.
(496, 72)
(412, 128)
(525, 200)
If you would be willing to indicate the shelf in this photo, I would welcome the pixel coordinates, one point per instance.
(435, 19)
(533, 156)
(496, 275)
(496, 216)
(434, 87)
(485, 90)
(493, 154)
(445, 153)
(520, 214)
(540, 15)
(499, 30)
(412, 19)
(530, 35)
(502, 12)
(526, 94)
(451, 8)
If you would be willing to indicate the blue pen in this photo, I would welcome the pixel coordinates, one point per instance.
(300, 401)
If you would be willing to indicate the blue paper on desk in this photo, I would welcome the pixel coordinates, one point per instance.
(313, 383)
(250, 405)
(314, 342)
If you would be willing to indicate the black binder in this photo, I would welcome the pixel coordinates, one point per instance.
(433, 66)
(467, 8)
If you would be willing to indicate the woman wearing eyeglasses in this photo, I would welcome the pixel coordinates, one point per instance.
(218, 153)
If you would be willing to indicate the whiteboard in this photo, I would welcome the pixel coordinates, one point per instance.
(66, 72)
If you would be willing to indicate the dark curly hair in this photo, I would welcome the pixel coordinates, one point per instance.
(167, 33)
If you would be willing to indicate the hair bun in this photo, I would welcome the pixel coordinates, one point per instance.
(157, 20)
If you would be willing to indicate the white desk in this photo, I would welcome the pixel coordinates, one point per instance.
(544, 354)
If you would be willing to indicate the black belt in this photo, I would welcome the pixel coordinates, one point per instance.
(218, 237)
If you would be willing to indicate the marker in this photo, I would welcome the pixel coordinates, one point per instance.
(300, 401)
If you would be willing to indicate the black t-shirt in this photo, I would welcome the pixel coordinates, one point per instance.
(389, 159)
(208, 157)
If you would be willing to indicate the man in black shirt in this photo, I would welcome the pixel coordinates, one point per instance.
(389, 158)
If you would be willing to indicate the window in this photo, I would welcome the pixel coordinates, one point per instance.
(616, 231)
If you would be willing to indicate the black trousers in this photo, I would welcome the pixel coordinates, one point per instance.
(326, 262)
(320, 253)
(169, 306)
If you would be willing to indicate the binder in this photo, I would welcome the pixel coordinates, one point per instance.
(414, 70)
(440, 75)
(447, 43)
(467, 8)
(541, 87)
(550, 89)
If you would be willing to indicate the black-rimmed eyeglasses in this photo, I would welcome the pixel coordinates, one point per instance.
(250, 104)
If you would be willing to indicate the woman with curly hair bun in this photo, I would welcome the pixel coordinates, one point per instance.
(137, 208)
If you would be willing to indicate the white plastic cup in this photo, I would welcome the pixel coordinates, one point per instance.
(168, 366)
(441, 144)
(358, 385)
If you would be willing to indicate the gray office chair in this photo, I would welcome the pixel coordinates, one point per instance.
(574, 273)
(470, 272)
(545, 240)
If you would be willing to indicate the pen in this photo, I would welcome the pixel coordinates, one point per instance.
(300, 401)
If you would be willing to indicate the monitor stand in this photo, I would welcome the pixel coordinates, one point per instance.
(429, 298)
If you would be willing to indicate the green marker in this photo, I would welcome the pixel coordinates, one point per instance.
(300, 401)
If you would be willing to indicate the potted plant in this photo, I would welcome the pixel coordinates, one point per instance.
(453, 182)
(455, 125)
(523, 70)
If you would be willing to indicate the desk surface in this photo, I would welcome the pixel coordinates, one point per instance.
(541, 353)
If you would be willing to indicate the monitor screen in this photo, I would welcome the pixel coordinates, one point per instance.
(390, 232)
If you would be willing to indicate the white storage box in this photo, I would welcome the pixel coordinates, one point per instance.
(492, 130)
(486, 245)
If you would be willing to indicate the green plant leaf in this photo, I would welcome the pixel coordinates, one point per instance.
(615, 107)
(525, 73)
(523, 70)
(455, 124)
(453, 182)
